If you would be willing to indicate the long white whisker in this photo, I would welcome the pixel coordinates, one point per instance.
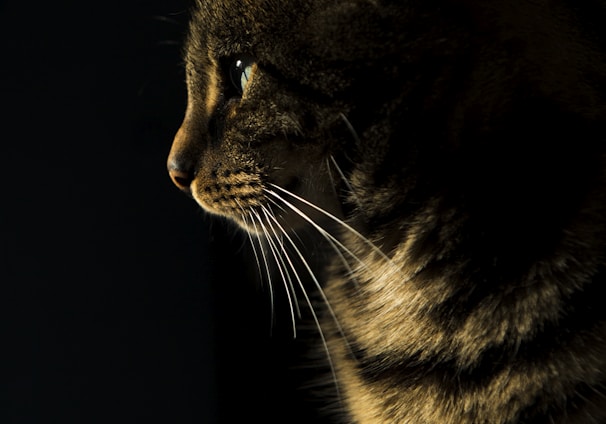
(345, 180)
(279, 206)
(282, 269)
(350, 127)
(334, 242)
(285, 211)
(376, 249)
(288, 279)
(309, 303)
(333, 183)
(250, 238)
(316, 282)
(267, 271)
(254, 249)
(308, 268)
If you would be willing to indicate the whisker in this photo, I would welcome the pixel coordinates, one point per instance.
(333, 183)
(309, 270)
(267, 271)
(252, 244)
(311, 273)
(333, 241)
(345, 180)
(250, 237)
(282, 269)
(276, 204)
(285, 211)
(268, 213)
(350, 127)
(349, 228)
(309, 303)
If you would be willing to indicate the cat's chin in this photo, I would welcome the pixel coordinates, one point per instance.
(268, 209)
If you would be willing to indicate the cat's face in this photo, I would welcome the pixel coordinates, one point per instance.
(293, 94)
(254, 118)
(271, 91)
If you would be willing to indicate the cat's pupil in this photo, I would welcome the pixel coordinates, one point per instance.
(240, 72)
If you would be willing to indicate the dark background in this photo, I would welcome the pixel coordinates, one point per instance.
(121, 301)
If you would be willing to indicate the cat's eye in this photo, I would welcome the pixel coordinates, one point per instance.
(240, 72)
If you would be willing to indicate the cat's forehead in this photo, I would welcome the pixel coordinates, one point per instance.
(309, 42)
(238, 24)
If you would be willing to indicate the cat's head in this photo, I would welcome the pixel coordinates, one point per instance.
(273, 89)
(408, 99)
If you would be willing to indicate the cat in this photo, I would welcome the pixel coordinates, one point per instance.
(452, 155)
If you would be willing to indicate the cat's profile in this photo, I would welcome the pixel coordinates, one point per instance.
(452, 155)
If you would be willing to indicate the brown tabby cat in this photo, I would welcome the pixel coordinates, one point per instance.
(457, 148)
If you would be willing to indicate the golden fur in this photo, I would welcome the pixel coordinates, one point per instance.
(452, 154)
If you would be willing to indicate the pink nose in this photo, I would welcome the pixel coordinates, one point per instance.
(183, 156)
(180, 177)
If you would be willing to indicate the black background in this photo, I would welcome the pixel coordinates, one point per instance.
(121, 301)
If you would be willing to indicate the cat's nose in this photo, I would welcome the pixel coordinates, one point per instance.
(181, 163)
(181, 169)
(180, 176)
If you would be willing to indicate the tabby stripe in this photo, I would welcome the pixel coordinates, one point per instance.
(453, 380)
(579, 319)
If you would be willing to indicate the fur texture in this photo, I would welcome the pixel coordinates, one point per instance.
(460, 146)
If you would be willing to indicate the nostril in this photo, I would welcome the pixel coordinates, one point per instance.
(181, 179)
(182, 159)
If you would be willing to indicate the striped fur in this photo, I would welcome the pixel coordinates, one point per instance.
(457, 149)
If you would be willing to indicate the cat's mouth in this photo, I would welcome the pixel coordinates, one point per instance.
(258, 206)
(228, 192)
(274, 190)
